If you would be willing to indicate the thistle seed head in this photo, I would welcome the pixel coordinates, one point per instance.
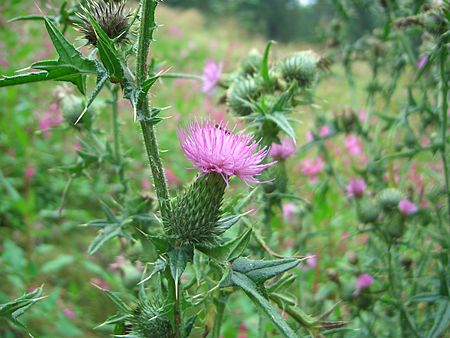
(110, 15)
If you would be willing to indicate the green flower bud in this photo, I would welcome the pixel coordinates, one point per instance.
(301, 67)
(150, 321)
(393, 227)
(252, 62)
(368, 211)
(240, 92)
(194, 216)
(389, 198)
(72, 107)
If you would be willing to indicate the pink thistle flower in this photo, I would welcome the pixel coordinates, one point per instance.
(284, 150)
(311, 262)
(324, 131)
(309, 136)
(353, 145)
(288, 211)
(362, 115)
(69, 313)
(175, 31)
(212, 148)
(407, 207)
(30, 171)
(363, 281)
(211, 76)
(355, 188)
(422, 61)
(312, 168)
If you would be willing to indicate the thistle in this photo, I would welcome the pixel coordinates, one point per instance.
(148, 320)
(240, 94)
(301, 67)
(219, 154)
(110, 15)
(252, 62)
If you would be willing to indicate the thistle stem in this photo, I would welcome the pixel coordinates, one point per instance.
(444, 125)
(220, 307)
(116, 136)
(147, 27)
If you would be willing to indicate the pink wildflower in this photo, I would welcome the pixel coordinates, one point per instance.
(100, 283)
(69, 313)
(284, 150)
(324, 131)
(50, 119)
(211, 76)
(30, 171)
(355, 188)
(353, 145)
(312, 168)
(175, 31)
(172, 179)
(309, 136)
(288, 211)
(119, 262)
(363, 281)
(212, 148)
(407, 207)
(362, 115)
(422, 61)
(311, 262)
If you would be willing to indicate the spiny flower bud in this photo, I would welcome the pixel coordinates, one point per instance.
(301, 67)
(111, 17)
(149, 321)
(252, 62)
(389, 198)
(72, 107)
(195, 214)
(368, 211)
(241, 92)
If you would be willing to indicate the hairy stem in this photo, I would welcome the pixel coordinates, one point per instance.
(220, 307)
(444, 126)
(116, 136)
(147, 27)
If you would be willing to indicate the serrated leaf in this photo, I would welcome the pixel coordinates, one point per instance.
(230, 250)
(226, 223)
(283, 123)
(57, 264)
(108, 52)
(116, 300)
(260, 271)
(178, 259)
(160, 265)
(252, 291)
(120, 317)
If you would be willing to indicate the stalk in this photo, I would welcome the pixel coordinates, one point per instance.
(116, 136)
(444, 126)
(147, 27)
(220, 306)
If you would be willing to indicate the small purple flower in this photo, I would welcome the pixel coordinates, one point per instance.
(311, 262)
(363, 281)
(355, 188)
(211, 76)
(288, 211)
(353, 145)
(407, 207)
(284, 150)
(422, 61)
(69, 313)
(324, 131)
(312, 168)
(213, 148)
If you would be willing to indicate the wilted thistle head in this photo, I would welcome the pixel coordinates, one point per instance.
(110, 15)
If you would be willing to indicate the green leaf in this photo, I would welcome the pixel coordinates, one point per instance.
(283, 123)
(160, 265)
(178, 259)
(120, 317)
(260, 271)
(19, 305)
(102, 77)
(252, 291)
(108, 52)
(116, 300)
(27, 18)
(265, 64)
(57, 264)
(70, 67)
(441, 322)
(231, 249)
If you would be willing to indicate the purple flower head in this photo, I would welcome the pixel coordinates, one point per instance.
(283, 150)
(353, 145)
(311, 262)
(422, 61)
(213, 148)
(312, 168)
(289, 211)
(211, 76)
(324, 131)
(355, 188)
(407, 207)
(364, 281)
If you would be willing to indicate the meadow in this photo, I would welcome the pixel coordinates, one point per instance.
(195, 180)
